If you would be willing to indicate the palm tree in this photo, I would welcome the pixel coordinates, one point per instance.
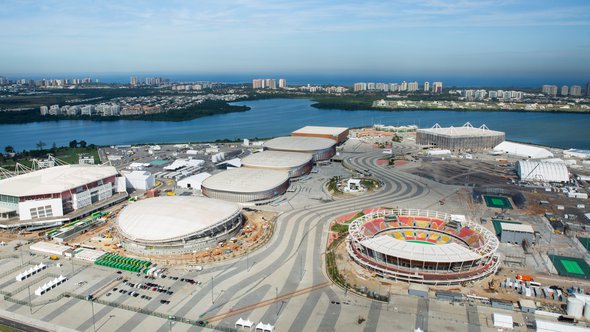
(40, 145)
(9, 149)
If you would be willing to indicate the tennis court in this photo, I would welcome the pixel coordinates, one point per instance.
(570, 266)
(498, 202)
(585, 242)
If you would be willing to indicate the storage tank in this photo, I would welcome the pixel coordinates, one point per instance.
(575, 307)
(587, 311)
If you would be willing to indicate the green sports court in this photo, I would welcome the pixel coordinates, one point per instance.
(571, 266)
(421, 242)
(585, 242)
(498, 202)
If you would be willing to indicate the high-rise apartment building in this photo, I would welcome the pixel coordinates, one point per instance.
(412, 86)
(576, 91)
(426, 87)
(437, 87)
(282, 83)
(258, 83)
(133, 80)
(564, 90)
(360, 86)
(404, 86)
(550, 90)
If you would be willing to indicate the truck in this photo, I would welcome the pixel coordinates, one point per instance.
(524, 277)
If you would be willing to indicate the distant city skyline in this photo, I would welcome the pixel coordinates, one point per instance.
(406, 39)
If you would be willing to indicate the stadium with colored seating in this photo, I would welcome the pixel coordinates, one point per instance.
(422, 246)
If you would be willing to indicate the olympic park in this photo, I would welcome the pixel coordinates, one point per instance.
(422, 246)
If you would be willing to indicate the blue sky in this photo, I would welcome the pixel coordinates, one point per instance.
(434, 38)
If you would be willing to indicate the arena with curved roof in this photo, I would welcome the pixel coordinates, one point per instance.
(320, 148)
(296, 163)
(245, 185)
(179, 224)
(422, 246)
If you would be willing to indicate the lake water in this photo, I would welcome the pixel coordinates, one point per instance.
(275, 117)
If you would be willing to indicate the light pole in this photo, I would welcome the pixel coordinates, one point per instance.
(30, 304)
(93, 321)
(212, 291)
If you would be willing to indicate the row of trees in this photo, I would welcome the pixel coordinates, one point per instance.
(40, 145)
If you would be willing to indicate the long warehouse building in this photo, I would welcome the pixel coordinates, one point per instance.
(460, 139)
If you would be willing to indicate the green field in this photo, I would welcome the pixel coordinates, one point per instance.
(570, 266)
(498, 202)
(421, 242)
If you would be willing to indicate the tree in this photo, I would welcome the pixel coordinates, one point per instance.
(73, 144)
(9, 149)
(40, 145)
(82, 144)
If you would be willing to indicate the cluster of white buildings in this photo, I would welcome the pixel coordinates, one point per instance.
(135, 105)
(435, 87)
(481, 94)
(324, 89)
(268, 83)
(75, 110)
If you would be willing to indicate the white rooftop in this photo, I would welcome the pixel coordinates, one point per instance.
(465, 130)
(54, 179)
(531, 170)
(503, 321)
(299, 143)
(246, 180)
(546, 326)
(277, 159)
(523, 150)
(517, 227)
(442, 253)
(165, 218)
(321, 130)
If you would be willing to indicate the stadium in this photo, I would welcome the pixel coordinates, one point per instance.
(460, 139)
(421, 246)
(296, 163)
(49, 196)
(246, 185)
(176, 225)
(320, 148)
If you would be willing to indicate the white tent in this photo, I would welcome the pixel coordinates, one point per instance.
(502, 321)
(264, 327)
(522, 150)
(244, 323)
(529, 170)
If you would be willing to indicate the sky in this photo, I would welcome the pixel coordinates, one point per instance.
(541, 39)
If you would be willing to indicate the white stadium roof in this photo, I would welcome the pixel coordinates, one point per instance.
(246, 180)
(277, 159)
(54, 179)
(442, 253)
(321, 130)
(530, 170)
(299, 143)
(171, 218)
(466, 130)
(523, 150)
